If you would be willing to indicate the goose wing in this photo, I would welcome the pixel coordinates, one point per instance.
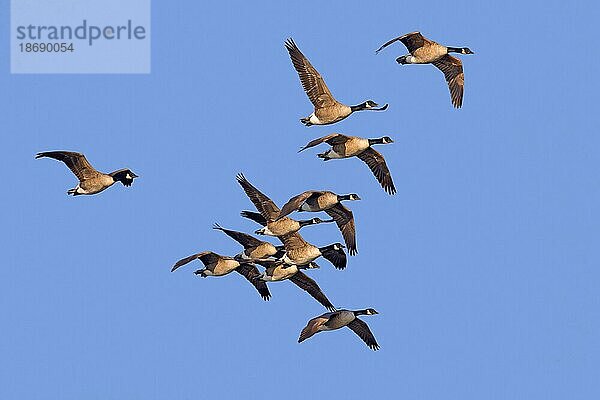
(332, 139)
(76, 162)
(378, 166)
(362, 330)
(265, 206)
(412, 41)
(254, 216)
(344, 219)
(455, 77)
(250, 272)
(295, 202)
(336, 257)
(308, 284)
(312, 82)
(313, 325)
(242, 238)
(207, 257)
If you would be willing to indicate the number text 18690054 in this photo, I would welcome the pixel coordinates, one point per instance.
(46, 47)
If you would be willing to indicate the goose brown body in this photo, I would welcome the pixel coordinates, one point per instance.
(262, 251)
(95, 185)
(331, 114)
(316, 201)
(299, 252)
(350, 147)
(282, 227)
(278, 271)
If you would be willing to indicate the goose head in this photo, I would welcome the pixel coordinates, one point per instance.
(460, 50)
(366, 311)
(381, 140)
(125, 176)
(368, 105)
(349, 197)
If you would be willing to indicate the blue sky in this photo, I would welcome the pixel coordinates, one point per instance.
(484, 266)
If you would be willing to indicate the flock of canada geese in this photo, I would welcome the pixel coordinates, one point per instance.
(288, 260)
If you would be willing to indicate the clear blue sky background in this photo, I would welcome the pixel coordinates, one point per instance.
(484, 266)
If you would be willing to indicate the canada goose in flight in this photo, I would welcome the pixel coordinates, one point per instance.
(254, 249)
(278, 271)
(425, 51)
(338, 319)
(343, 146)
(218, 265)
(329, 202)
(91, 181)
(327, 109)
(270, 212)
(299, 252)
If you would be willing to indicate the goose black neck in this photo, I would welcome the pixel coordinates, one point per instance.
(358, 107)
(454, 49)
(375, 141)
(306, 222)
(360, 312)
(343, 197)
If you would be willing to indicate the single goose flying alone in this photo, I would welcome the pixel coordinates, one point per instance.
(327, 110)
(425, 51)
(338, 319)
(91, 181)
